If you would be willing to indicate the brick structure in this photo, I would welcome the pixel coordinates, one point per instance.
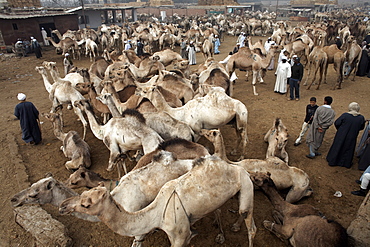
(217, 2)
(160, 2)
(24, 3)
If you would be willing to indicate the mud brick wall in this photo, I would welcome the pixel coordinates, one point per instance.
(24, 3)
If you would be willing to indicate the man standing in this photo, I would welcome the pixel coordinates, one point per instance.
(295, 79)
(35, 46)
(322, 120)
(283, 72)
(44, 36)
(28, 115)
(67, 63)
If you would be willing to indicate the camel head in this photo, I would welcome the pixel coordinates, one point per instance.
(41, 70)
(281, 134)
(261, 178)
(81, 178)
(83, 105)
(50, 65)
(211, 135)
(181, 64)
(52, 117)
(40, 192)
(89, 202)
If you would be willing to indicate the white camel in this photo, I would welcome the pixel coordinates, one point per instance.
(179, 204)
(62, 92)
(277, 138)
(123, 134)
(214, 110)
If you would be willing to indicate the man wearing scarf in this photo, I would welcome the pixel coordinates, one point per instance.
(322, 120)
(348, 126)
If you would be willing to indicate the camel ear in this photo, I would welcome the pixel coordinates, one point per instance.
(100, 184)
(48, 175)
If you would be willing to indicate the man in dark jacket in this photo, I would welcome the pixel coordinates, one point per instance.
(295, 79)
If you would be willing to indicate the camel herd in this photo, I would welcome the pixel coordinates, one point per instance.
(134, 103)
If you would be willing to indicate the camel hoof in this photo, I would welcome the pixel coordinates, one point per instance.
(61, 148)
(235, 228)
(69, 107)
(220, 238)
(268, 225)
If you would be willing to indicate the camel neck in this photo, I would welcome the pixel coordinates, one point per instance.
(131, 224)
(220, 150)
(97, 129)
(157, 99)
(112, 107)
(47, 83)
(58, 131)
(277, 201)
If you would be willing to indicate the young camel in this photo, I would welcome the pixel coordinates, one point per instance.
(123, 134)
(284, 176)
(300, 225)
(48, 190)
(191, 197)
(214, 110)
(73, 146)
(277, 138)
(62, 92)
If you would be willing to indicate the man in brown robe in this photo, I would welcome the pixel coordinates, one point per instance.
(322, 120)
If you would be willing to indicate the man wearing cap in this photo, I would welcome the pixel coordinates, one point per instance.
(28, 115)
(295, 78)
(67, 63)
(35, 46)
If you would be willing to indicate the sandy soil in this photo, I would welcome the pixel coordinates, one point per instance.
(19, 75)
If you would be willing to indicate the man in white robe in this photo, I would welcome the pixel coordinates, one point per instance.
(283, 72)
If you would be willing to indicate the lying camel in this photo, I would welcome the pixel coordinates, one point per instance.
(300, 225)
(48, 190)
(191, 197)
(277, 138)
(73, 146)
(284, 176)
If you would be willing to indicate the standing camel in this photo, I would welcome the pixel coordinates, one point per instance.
(317, 58)
(179, 204)
(335, 57)
(352, 57)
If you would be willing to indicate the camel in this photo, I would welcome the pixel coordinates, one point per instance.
(48, 190)
(176, 85)
(191, 197)
(352, 57)
(284, 176)
(148, 66)
(65, 45)
(73, 146)
(335, 57)
(97, 104)
(317, 58)
(167, 40)
(211, 111)
(91, 49)
(167, 56)
(214, 75)
(298, 47)
(62, 92)
(245, 59)
(166, 126)
(183, 149)
(99, 67)
(123, 134)
(258, 45)
(183, 66)
(300, 225)
(277, 138)
(207, 48)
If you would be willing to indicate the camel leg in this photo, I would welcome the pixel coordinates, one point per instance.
(255, 74)
(308, 73)
(79, 113)
(138, 241)
(314, 78)
(284, 233)
(220, 238)
(325, 73)
(278, 217)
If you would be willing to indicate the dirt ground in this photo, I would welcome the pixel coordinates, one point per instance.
(19, 75)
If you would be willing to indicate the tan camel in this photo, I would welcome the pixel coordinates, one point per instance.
(207, 48)
(48, 190)
(99, 67)
(298, 47)
(65, 45)
(176, 85)
(183, 149)
(122, 134)
(256, 46)
(183, 66)
(352, 57)
(277, 138)
(317, 58)
(97, 104)
(62, 92)
(299, 225)
(214, 110)
(167, 56)
(91, 49)
(167, 40)
(73, 146)
(148, 67)
(284, 176)
(245, 59)
(166, 126)
(185, 197)
(335, 57)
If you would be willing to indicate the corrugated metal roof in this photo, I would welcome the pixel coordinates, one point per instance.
(103, 8)
(31, 15)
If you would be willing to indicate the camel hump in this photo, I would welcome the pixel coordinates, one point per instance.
(134, 113)
(175, 141)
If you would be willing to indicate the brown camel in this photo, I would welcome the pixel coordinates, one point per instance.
(300, 225)
(277, 138)
(245, 59)
(352, 57)
(335, 57)
(65, 45)
(317, 58)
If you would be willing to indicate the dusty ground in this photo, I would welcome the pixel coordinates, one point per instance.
(19, 75)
